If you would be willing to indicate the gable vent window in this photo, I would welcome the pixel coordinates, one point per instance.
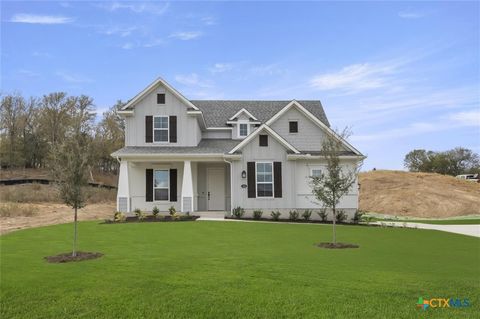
(242, 129)
(263, 140)
(161, 98)
(160, 129)
(293, 126)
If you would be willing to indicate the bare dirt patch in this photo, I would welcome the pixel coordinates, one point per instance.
(67, 257)
(418, 194)
(337, 245)
(53, 213)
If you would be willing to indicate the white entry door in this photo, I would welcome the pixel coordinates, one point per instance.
(215, 189)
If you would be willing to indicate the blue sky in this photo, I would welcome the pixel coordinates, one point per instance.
(401, 75)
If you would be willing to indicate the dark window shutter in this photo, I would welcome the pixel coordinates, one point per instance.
(148, 129)
(149, 185)
(251, 187)
(263, 140)
(277, 179)
(161, 98)
(173, 185)
(172, 127)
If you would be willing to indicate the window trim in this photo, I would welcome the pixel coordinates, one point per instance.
(164, 99)
(167, 188)
(238, 128)
(257, 182)
(161, 129)
(291, 121)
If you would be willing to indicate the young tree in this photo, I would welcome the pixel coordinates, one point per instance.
(71, 159)
(332, 184)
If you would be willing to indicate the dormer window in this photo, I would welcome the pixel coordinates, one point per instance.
(243, 129)
(161, 98)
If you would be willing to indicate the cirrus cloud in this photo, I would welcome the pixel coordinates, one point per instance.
(40, 19)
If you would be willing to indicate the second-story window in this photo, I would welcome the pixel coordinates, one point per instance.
(160, 129)
(242, 129)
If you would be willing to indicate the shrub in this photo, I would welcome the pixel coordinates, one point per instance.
(119, 217)
(275, 215)
(368, 219)
(172, 211)
(140, 215)
(307, 214)
(257, 214)
(341, 216)
(358, 216)
(238, 212)
(323, 215)
(155, 211)
(293, 215)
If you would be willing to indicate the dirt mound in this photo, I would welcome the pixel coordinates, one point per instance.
(418, 194)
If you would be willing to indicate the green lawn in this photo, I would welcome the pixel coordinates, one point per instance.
(237, 270)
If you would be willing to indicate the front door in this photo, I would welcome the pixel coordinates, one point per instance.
(215, 189)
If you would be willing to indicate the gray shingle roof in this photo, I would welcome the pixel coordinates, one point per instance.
(217, 112)
(206, 146)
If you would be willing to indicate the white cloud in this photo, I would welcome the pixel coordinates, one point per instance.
(154, 42)
(409, 14)
(73, 78)
(192, 79)
(221, 67)
(467, 118)
(127, 46)
(27, 73)
(355, 78)
(208, 20)
(120, 31)
(267, 69)
(137, 7)
(189, 35)
(40, 19)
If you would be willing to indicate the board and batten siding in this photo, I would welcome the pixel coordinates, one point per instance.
(252, 152)
(309, 137)
(304, 196)
(188, 129)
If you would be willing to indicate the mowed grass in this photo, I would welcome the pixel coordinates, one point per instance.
(237, 270)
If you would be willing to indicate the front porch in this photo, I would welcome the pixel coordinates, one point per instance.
(193, 185)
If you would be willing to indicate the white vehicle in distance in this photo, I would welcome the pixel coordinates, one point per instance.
(469, 177)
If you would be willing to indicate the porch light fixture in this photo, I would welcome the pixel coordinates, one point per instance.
(244, 174)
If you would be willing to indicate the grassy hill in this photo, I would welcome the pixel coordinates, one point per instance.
(418, 194)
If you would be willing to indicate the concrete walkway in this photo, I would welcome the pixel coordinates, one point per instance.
(469, 230)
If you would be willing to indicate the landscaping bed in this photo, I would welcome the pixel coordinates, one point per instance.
(153, 219)
(67, 257)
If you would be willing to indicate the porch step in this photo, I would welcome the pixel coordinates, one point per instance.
(210, 215)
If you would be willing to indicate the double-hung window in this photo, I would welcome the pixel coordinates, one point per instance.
(160, 184)
(160, 129)
(264, 179)
(242, 129)
(316, 172)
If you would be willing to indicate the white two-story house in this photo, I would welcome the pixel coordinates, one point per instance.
(214, 155)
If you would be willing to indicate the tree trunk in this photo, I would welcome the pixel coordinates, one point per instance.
(334, 221)
(74, 252)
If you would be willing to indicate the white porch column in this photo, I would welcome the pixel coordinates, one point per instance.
(123, 192)
(187, 188)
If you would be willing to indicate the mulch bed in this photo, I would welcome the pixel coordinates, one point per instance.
(151, 219)
(337, 245)
(67, 257)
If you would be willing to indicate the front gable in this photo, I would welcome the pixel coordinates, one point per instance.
(145, 109)
(311, 131)
(254, 138)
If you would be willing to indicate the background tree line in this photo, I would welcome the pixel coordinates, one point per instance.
(31, 129)
(452, 162)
